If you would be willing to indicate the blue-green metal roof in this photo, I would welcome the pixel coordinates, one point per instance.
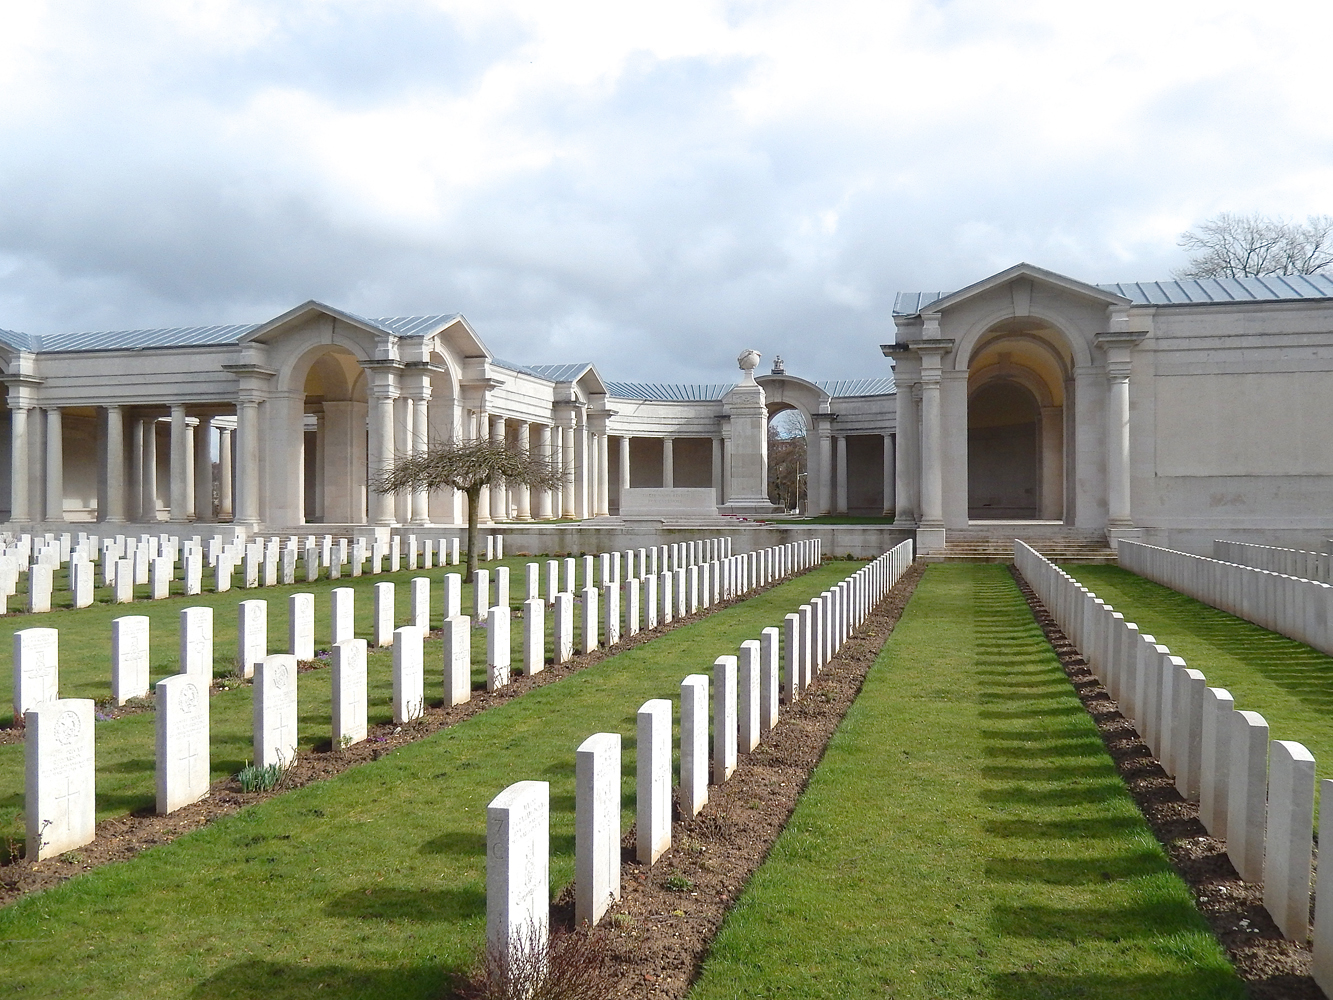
(1185, 292)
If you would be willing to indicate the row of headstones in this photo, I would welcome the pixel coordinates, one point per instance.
(1290, 562)
(745, 707)
(59, 819)
(36, 650)
(1300, 609)
(152, 560)
(1255, 794)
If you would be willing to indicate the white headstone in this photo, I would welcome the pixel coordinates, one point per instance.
(60, 769)
(420, 602)
(481, 593)
(589, 633)
(251, 636)
(1288, 841)
(36, 668)
(597, 826)
(633, 600)
(501, 587)
(769, 682)
(301, 626)
(534, 635)
(564, 627)
(518, 864)
(1247, 796)
(748, 696)
(382, 632)
(349, 692)
(531, 581)
(129, 658)
(40, 582)
(693, 744)
(275, 708)
(497, 648)
(611, 629)
(196, 643)
(342, 608)
(453, 595)
(724, 718)
(653, 805)
(409, 682)
(182, 742)
(83, 577)
(1321, 965)
(457, 635)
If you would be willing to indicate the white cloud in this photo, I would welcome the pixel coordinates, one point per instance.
(649, 186)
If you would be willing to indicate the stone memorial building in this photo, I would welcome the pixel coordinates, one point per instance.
(1171, 411)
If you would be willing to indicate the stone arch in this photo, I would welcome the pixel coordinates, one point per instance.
(1019, 375)
(789, 392)
(332, 408)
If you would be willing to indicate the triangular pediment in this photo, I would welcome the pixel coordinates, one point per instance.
(1020, 272)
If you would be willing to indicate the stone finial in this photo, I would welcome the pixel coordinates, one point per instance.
(778, 367)
(748, 361)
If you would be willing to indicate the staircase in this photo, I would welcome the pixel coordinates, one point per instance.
(994, 543)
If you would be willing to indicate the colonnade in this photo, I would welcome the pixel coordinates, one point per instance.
(129, 458)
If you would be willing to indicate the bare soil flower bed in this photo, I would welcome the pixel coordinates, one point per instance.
(1271, 966)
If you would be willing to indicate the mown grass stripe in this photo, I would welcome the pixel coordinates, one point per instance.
(371, 883)
(966, 835)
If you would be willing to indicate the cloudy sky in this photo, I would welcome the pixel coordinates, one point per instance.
(650, 186)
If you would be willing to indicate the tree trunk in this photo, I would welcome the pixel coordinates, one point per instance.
(473, 498)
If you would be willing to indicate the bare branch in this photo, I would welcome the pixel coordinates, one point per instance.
(1231, 245)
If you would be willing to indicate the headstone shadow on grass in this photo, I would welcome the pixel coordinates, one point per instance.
(284, 981)
(417, 905)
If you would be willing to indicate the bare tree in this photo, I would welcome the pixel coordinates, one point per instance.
(1231, 245)
(469, 467)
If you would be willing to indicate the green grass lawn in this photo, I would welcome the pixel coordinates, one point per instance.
(966, 836)
(125, 746)
(1287, 682)
(371, 884)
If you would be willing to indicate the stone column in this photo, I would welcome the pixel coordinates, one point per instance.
(603, 475)
(225, 474)
(624, 468)
(19, 486)
(890, 502)
(580, 466)
(524, 493)
(908, 442)
(546, 453)
(567, 502)
(420, 511)
(482, 432)
(842, 473)
(402, 447)
(825, 467)
(381, 455)
(55, 465)
(114, 473)
(321, 456)
(180, 465)
(932, 466)
(718, 495)
(1117, 450)
(247, 462)
(1052, 463)
(499, 493)
(203, 469)
(668, 464)
(148, 480)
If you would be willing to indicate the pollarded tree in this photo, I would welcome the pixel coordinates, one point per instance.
(1231, 245)
(469, 467)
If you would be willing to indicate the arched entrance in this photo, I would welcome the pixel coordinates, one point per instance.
(1016, 423)
(788, 457)
(334, 418)
(1002, 431)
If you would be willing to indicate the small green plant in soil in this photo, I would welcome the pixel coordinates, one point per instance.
(261, 778)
